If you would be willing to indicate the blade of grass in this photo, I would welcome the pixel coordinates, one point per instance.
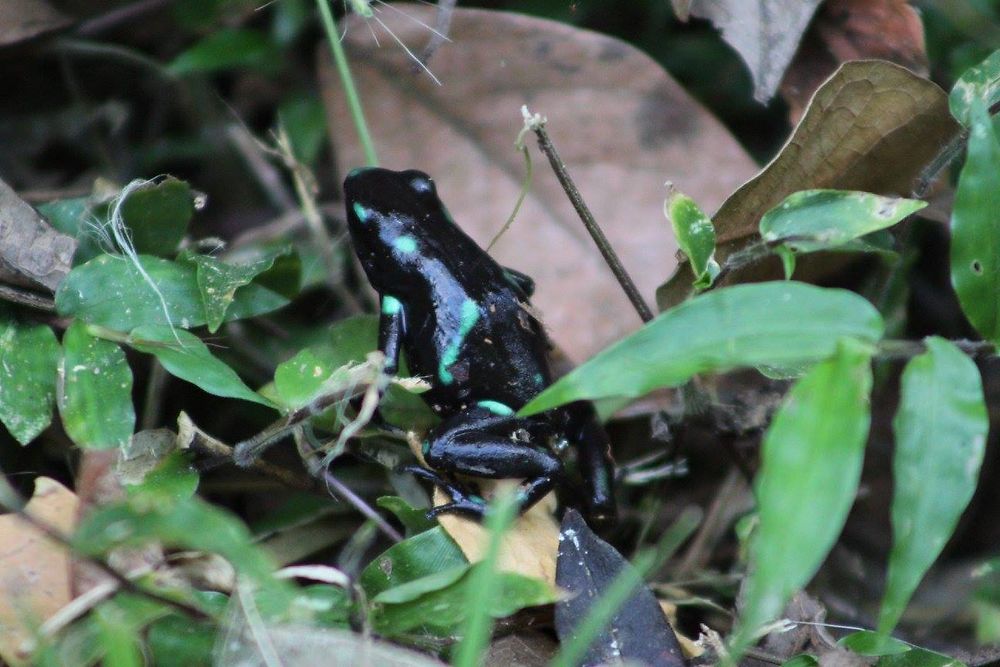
(350, 91)
(484, 585)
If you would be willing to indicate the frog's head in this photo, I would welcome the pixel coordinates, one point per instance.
(395, 220)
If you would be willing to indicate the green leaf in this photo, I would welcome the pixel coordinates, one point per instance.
(218, 281)
(301, 378)
(441, 611)
(975, 228)
(413, 519)
(172, 480)
(29, 357)
(940, 428)
(185, 356)
(76, 218)
(977, 84)
(918, 657)
(175, 641)
(110, 291)
(228, 49)
(304, 119)
(780, 324)
(157, 215)
(810, 467)
(695, 236)
(424, 554)
(95, 401)
(814, 220)
(803, 660)
(868, 643)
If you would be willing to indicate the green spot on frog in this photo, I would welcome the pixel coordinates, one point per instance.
(360, 211)
(468, 319)
(496, 407)
(391, 305)
(405, 244)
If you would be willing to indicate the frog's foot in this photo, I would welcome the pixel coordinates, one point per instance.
(463, 501)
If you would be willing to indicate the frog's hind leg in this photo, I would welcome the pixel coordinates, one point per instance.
(478, 442)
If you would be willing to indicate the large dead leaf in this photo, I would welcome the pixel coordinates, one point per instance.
(34, 570)
(765, 33)
(24, 19)
(853, 30)
(622, 125)
(31, 252)
(872, 126)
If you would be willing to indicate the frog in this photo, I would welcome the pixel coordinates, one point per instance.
(466, 325)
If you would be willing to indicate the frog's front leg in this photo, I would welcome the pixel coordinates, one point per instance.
(487, 441)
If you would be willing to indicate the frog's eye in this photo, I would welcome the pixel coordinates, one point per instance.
(422, 184)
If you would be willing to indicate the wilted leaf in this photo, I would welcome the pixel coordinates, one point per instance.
(29, 356)
(185, 356)
(637, 631)
(765, 33)
(31, 252)
(975, 228)
(940, 428)
(871, 127)
(810, 468)
(981, 83)
(622, 126)
(844, 30)
(110, 291)
(34, 570)
(820, 219)
(778, 324)
(95, 394)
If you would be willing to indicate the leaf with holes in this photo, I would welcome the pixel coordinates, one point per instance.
(975, 228)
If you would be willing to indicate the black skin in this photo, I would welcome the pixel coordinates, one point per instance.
(465, 324)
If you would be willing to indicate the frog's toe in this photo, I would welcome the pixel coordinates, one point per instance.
(465, 506)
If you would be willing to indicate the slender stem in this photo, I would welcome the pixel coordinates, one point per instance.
(575, 198)
(25, 298)
(350, 91)
(905, 349)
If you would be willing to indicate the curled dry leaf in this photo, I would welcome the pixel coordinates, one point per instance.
(872, 127)
(34, 570)
(32, 253)
(853, 30)
(622, 125)
(765, 33)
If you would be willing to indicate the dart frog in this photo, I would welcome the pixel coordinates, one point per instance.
(466, 325)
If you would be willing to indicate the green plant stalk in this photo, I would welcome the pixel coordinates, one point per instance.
(483, 586)
(604, 610)
(350, 91)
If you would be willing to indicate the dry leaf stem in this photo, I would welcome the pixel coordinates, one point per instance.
(537, 125)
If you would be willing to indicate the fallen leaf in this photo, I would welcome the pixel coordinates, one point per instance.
(853, 30)
(765, 33)
(32, 253)
(34, 570)
(637, 631)
(622, 125)
(871, 127)
(22, 20)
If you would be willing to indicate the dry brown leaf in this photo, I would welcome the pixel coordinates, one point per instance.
(765, 33)
(853, 30)
(622, 125)
(872, 126)
(24, 19)
(34, 570)
(32, 253)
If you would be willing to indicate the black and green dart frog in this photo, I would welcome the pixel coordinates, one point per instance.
(466, 326)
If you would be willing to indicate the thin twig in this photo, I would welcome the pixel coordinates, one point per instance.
(25, 298)
(948, 154)
(905, 349)
(537, 124)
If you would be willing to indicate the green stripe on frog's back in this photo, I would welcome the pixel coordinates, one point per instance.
(469, 317)
(496, 407)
